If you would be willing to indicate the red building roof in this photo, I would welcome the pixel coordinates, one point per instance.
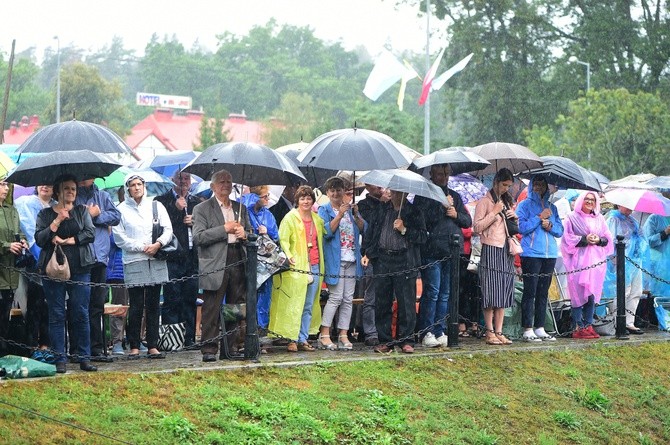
(164, 130)
(18, 133)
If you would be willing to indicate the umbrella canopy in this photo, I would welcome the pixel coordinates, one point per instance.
(565, 173)
(44, 169)
(404, 181)
(660, 183)
(354, 149)
(168, 163)
(72, 136)
(248, 163)
(515, 157)
(468, 187)
(602, 179)
(315, 176)
(116, 178)
(645, 201)
(6, 165)
(638, 181)
(459, 159)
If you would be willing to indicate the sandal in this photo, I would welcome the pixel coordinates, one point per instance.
(463, 334)
(305, 347)
(503, 339)
(492, 339)
(292, 347)
(327, 346)
(344, 345)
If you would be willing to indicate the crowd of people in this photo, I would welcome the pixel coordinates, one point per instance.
(375, 247)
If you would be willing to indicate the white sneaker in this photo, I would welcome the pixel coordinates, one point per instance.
(543, 336)
(443, 340)
(429, 341)
(530, 336)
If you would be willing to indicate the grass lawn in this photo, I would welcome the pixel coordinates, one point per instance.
(598, 395)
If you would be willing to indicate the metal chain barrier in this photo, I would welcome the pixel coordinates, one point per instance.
(645, 271)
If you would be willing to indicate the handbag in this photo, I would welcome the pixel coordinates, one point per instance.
(171, 336)
(513, 244)
(475, 257)
(271, 259)
(57, 267)
(171, 247)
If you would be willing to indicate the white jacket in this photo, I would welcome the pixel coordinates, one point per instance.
(134, 231)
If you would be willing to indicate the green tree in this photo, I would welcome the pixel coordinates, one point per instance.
(211, 132)
(387, 119)
(614, 132)
(86, 96)
(26, 96)
(297, 119)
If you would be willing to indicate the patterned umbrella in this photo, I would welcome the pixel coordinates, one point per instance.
(468, 187)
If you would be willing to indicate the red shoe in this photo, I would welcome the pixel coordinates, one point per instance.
(592, 331)
(581, 333)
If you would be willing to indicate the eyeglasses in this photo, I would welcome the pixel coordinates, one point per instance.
(589, 200)
(4, 184)
(264, 196)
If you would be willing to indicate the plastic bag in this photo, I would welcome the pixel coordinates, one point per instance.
(15, 367)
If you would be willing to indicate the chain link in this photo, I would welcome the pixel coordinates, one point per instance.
(655, 277)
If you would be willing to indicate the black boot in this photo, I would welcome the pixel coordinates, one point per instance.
(61, 367)
(87, 366)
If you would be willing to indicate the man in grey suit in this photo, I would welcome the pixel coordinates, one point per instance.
(220, 228)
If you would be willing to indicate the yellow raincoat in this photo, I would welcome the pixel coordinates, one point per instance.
(289, 288)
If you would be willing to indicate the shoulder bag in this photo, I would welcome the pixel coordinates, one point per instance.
(57, 267)
(172, 246)
(513, 244)
(271, 259)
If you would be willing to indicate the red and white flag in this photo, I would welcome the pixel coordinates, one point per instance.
(428, 80)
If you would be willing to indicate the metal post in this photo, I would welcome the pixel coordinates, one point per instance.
(454, 265)
(621, 331)
(426, 106)
(251, 342)
(58, 80)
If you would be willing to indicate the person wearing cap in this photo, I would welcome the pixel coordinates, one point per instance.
(220, 228)
(443, 221)
(141, 271)
(540, 225)
(392, 243)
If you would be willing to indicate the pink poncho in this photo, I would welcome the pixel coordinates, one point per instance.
(578, 224)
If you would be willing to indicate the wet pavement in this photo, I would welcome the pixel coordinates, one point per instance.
(278, 355)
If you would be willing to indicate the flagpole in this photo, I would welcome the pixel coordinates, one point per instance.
(426, 108)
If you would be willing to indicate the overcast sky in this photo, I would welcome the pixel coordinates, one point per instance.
(91, 24)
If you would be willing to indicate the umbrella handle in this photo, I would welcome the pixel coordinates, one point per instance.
(401, 202)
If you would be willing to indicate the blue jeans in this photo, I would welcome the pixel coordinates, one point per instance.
(583, 316)
(535, 290)
(79, 296)
(434, 304)
(312, 290)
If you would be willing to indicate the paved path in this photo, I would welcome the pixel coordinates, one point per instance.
(278, 356)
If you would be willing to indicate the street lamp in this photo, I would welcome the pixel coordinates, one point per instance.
(574, 59)
(57, 79)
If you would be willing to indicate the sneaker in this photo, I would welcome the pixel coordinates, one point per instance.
(117, 349)
(371, 341)
(429, 341)
(143, 348)
(592, 332)
(443, 340)
(542, 335)
(582, 333)
(529, 336)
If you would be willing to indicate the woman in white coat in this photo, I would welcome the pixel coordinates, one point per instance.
(141, 270)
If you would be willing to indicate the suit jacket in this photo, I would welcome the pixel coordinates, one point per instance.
(179, 229)
(279, 210)
(211, 238)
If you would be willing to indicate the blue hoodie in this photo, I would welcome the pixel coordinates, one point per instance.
(537, 242)
(109, 216)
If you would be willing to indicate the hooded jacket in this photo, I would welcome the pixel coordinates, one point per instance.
(109, 216)
(9, 226)
(537, 242)
(263, 217)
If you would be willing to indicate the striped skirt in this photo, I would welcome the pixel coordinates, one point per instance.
(496, 277)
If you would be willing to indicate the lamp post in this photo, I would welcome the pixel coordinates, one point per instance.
(57, 79)
(574, 59)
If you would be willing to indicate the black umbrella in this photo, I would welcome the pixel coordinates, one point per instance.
(44, 169)
(74, 135)
(565, 173)
(354, 149)
(316, 176)
(459, 159)
(248, 163)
